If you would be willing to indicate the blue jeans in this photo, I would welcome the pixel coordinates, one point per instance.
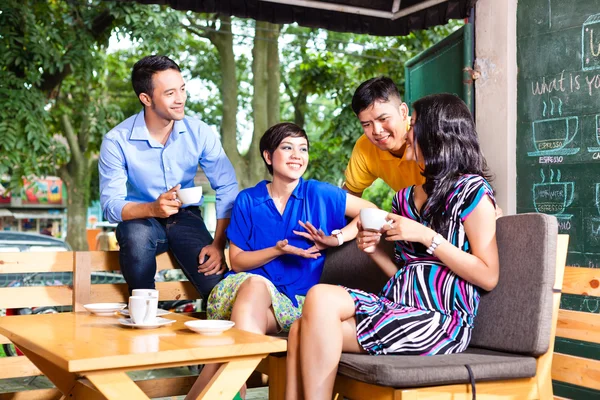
(141, 240)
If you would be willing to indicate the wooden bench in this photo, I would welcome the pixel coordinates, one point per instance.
(81, 292)
(573, 325)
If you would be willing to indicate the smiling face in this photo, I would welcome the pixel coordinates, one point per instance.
(384, 124)
(168, 95)
(290, 158)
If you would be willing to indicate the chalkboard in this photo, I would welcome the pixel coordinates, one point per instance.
(558, 132)
(558, 137)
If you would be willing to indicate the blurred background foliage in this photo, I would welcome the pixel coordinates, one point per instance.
(65, 82)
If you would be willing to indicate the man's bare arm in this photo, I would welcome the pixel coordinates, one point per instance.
(357, 194)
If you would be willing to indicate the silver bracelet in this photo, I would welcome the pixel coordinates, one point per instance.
(435, 242)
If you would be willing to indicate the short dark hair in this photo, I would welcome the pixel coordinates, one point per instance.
(380, 89)
(143, 70)
(275, 135)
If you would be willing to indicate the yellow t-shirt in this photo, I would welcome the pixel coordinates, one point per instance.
(368, 163)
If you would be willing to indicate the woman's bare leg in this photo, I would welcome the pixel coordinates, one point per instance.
(293, 382)
(252, 312)
(328, 328)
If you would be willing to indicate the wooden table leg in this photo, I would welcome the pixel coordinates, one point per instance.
(63, 380)
(116, 385)
(229, 379)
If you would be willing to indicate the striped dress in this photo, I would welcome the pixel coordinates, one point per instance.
(425, 308)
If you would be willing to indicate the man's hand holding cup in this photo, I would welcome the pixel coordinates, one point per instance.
(166, 204)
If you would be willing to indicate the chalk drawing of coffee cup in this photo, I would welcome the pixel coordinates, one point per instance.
(595, 149)
(553, 198)
(555, 133)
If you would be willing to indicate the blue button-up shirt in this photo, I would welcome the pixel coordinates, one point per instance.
(136, 168)
(257, 224)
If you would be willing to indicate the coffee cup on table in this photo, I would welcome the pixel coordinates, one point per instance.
(142, 309)
(145, 292)
(191, 195)
(373, 219)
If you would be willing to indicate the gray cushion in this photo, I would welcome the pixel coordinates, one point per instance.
(416, 371)
(349, 266)
(516, 316)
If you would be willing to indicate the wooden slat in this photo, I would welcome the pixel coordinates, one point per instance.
(109, 261)
(117, 292)
(104, 260)
(35, 296)
(576, 371)
(16, 367)
(59, 261)
(543, 372)
(40, 394)
(82, 280)
(579, 326)
(582, 281)
(163, 387)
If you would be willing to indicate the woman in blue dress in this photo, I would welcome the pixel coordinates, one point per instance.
(445, 252)
(279, 232)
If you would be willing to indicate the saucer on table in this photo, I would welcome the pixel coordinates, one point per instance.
(158, 322)
(209, 326)
(159, 312)
(104, 309)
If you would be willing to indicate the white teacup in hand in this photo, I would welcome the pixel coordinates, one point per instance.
(373, 219)
(142, 309)
(191, 195)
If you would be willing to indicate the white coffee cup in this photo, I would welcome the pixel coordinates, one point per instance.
(145, 292)
(142, 309)
(191, 195)
(373, 219)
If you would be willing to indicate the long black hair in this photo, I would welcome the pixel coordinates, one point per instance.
(445, 133)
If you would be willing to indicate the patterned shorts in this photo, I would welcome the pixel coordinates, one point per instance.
(222, 297)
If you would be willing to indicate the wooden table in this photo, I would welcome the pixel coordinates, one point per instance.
(86, 356)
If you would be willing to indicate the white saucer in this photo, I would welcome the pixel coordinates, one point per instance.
(209, 327)
(157, 323)
(159, 313)
(104, 309)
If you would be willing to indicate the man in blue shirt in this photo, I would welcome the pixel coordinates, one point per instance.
(143, 161)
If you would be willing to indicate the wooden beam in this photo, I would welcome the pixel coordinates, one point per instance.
(576, 371)
(582, 281)
(35, 296)
(579, 326)
(59, 261)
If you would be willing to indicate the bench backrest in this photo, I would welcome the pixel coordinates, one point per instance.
(347, 265)
(517, 315)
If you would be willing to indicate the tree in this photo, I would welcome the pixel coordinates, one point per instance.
(53, 110)
(248, 165)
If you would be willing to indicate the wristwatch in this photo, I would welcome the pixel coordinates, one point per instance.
(340, 236)
(435, 242)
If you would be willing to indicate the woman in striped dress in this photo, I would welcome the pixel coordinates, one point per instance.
(445, 252)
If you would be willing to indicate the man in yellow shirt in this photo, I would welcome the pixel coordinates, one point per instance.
(379, 153)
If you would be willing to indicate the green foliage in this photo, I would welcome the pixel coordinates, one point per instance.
(329, 68)
(53, 65)
(380, 194)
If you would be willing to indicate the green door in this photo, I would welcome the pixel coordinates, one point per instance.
(444, 67)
